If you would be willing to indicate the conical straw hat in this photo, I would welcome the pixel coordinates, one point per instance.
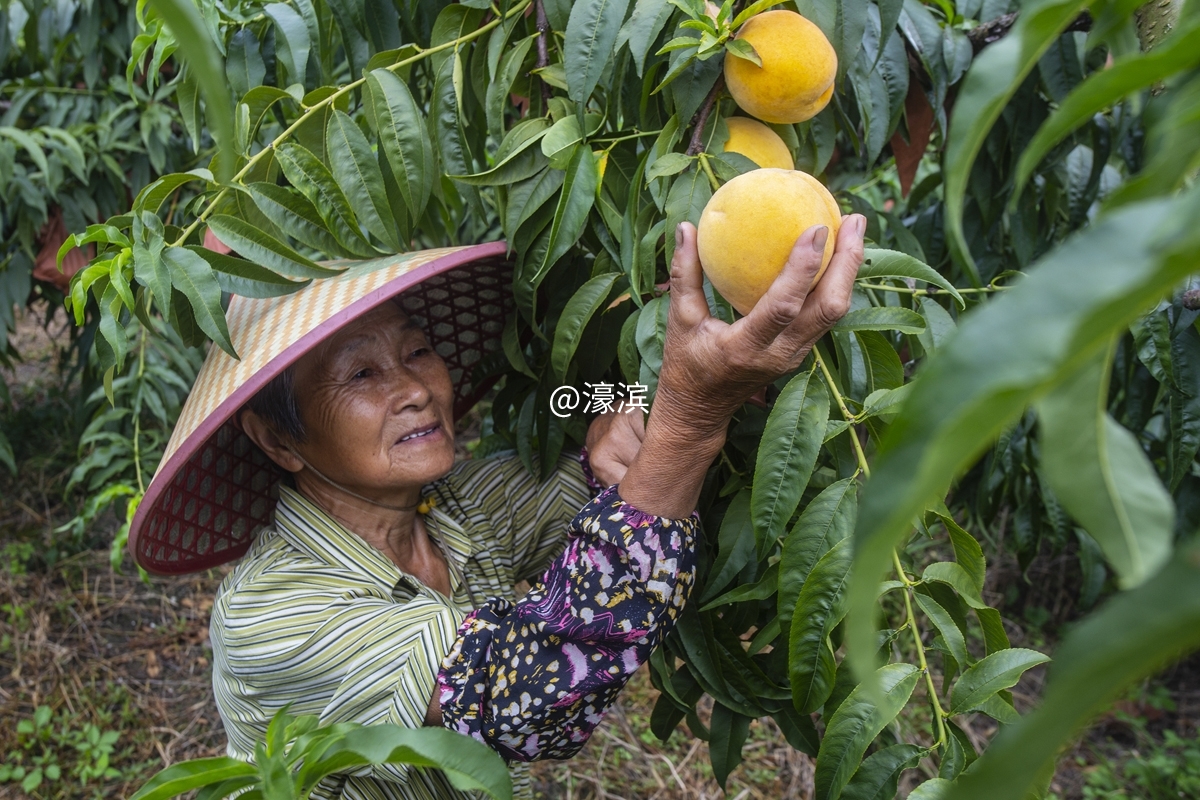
(214, 488)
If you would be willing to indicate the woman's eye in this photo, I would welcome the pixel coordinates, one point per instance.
(420, 351)
(362, 373)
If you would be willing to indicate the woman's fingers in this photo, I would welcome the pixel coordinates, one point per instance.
(830, 298)
(688, 304)
(786, 297)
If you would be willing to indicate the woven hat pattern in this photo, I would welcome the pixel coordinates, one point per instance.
(215, 489)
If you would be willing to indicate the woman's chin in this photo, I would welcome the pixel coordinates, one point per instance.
(425, 462)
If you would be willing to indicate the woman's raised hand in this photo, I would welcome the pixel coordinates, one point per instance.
(613, 441)
(709, 367)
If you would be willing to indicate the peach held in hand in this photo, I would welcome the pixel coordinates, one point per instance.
(751, 224)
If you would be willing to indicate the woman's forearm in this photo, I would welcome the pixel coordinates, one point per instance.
(533, 679)
(679, 447)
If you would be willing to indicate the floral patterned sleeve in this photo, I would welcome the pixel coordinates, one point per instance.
(533, 679)
(588, 475)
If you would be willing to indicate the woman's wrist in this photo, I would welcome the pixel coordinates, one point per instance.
(666, 476)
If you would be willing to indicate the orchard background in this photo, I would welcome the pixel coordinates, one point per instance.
(989, 462)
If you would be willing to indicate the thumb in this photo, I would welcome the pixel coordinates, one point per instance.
(688, 303)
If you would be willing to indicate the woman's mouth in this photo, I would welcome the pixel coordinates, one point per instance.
(421, 433)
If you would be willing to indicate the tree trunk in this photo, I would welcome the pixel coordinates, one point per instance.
(1155, 20)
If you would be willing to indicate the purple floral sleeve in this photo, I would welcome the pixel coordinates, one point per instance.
(533, 679)
(588, 475)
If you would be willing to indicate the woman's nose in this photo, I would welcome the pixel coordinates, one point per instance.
(408, 389)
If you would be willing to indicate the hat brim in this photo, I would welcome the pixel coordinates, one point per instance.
(213, 490)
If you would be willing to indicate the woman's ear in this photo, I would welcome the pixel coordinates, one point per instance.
(264, 435)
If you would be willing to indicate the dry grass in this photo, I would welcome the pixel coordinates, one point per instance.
(109, 650)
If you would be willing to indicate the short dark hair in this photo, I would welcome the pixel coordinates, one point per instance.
(276, 403)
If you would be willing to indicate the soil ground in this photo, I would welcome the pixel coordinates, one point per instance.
(107, 649)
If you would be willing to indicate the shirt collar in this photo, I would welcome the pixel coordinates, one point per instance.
(311, 529)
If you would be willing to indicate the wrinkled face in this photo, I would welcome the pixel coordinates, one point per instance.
(377, 405)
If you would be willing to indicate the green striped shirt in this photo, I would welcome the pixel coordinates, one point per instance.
(314, 616)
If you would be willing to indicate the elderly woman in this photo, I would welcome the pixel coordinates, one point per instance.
(381, 588)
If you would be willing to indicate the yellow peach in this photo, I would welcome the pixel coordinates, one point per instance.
(751, 224)
(758, 143)
(798, 68)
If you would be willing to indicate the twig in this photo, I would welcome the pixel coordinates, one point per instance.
(543, 49)
(995, 30)
(701, 119)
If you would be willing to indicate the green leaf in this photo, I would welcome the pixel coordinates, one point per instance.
(882, 318)
(884, 404)
(152, 196)
(686, 200)
(761, 589)
(992, 79)
(669, 164)
(352, 27)
(526, 197)
(244, 63)
(735, 543)
(1005, 354)
(1101, 476)
(252, 243)
(787, 455)
(291, 39)
(819, 608)
(856, 723)
(642, 29)
(314, 180)
(293, 214)
(942, 620)
(357, 172)
(575, 316)
(1184, 401)
(997, 671)
(515, 160)
(827, 519)
(849, 31)
(208, 70)
(574, 204)
(559, 142)
(932, 789)
(6, 454)
(192, 275)
(239, 276)
(729, 730)
(498, 88)
(967, 551)
(1103, 88)
(399, 123)
(876, 779)
(751, 10)
(592, 31)
(627, 352)
(447, 130)
(743, 49)
(893, 264)
(1132, 636)
(191, 775)
(998, 709)
(952, 574)
(467, 763)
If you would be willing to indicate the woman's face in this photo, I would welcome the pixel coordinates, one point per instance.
(376, 402)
